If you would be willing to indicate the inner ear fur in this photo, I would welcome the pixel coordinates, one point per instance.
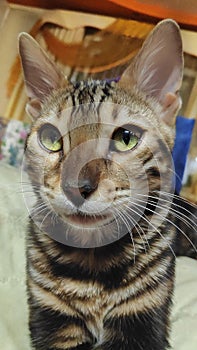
(157, 69)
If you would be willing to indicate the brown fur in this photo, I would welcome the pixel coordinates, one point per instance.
(115, 293)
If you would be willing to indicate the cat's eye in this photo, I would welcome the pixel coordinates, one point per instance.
(50, 138)
(124, 140)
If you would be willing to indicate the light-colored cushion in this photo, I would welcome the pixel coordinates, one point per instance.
(13, 302)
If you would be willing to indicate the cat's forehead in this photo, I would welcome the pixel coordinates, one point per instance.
(93, 102)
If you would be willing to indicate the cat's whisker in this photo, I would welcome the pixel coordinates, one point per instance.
(27, 188)
(38, 210)
(135, 223)
(171, 222)
(178, 198)
(45, 217)
(179, 206)
(176, 213)
(154, 228)
(29, 193)
(140, 228)
(39, 206)
(33, 217)
(26, 183)
(37, 188)
(174, 173)
(117, 223)
(54, 218)
(125, 222)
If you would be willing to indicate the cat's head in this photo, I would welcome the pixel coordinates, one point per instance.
(97, 149)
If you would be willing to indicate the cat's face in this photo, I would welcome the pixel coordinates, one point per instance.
(98, 149)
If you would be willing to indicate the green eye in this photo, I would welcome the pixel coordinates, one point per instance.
(124, 140)
(50, 138)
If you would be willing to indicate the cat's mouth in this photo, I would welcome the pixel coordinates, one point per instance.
(85, 220)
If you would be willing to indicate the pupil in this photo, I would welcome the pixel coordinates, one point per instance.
(126, 137)
(54, 137)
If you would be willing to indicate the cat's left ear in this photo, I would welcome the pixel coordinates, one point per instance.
(41, 75)
(157, 70)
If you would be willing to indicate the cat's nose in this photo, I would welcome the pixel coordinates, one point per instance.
(78, 194)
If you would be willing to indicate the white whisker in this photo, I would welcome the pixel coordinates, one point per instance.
(175, 204)
(179, 215)
(153, 226)
(125, 222)
(117, 223)
(172, 223)
(140, 228)
(45, 217)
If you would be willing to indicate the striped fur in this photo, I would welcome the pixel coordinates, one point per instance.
(114, 294)
(75, 302)
(99, 298)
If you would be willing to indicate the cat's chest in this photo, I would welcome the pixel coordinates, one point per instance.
(92, 304)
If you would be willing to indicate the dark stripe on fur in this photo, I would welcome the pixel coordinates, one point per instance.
(146, 330)
(46, 322)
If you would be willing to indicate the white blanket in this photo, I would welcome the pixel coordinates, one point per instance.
(13, 303)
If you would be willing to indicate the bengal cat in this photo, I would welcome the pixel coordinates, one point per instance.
(101, 238)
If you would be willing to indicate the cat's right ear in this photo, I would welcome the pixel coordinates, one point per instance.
(41, 76)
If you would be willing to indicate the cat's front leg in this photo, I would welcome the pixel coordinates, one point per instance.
(52, 330)
(144, 331)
